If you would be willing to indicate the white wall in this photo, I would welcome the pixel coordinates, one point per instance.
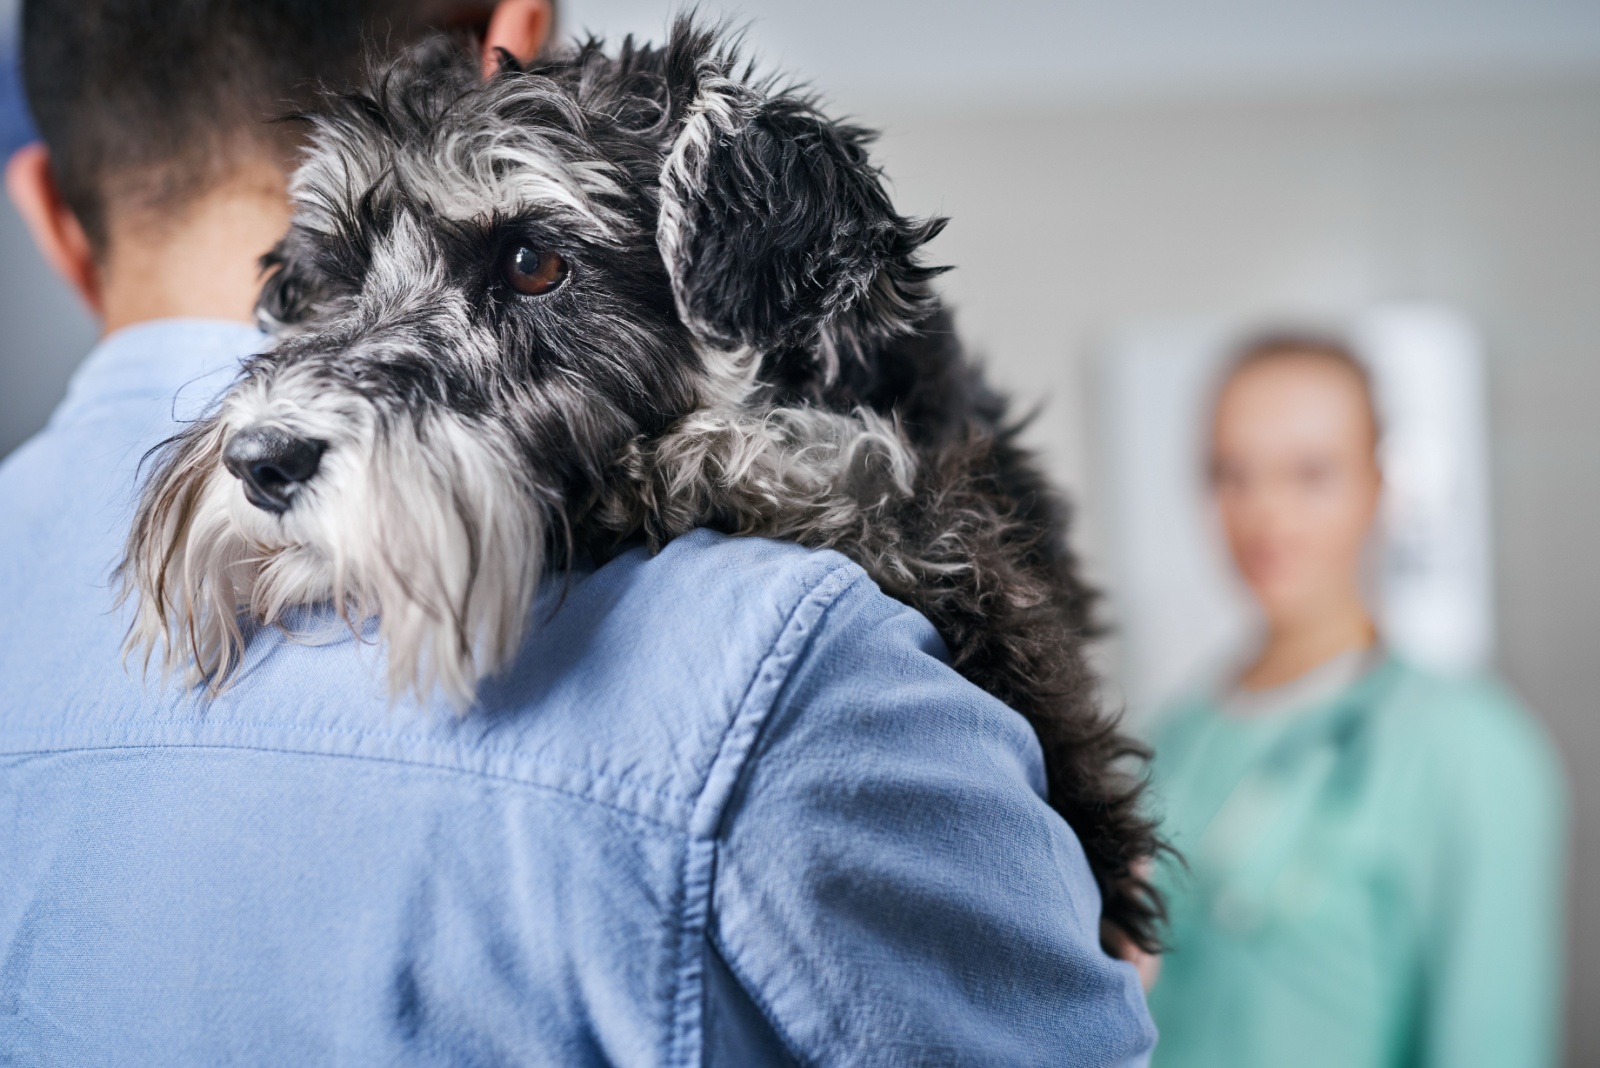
(953, 51)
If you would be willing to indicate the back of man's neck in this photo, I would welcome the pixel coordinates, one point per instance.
(201, 263)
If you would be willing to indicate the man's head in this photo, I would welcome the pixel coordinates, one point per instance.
(147, 108)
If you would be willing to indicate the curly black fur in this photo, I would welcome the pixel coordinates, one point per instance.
(741, 335)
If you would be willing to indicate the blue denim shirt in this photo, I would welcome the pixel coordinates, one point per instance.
(730, 806)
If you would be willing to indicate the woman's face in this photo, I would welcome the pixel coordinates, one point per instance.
(1296, 480)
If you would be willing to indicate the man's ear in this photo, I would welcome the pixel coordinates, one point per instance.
(519, 28)
(776, 229)
(56, 232)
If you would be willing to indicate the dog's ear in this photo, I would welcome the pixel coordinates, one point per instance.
(294, 285)
(776, 228)
(284, 298)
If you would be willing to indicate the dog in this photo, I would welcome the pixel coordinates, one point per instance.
(599, 301)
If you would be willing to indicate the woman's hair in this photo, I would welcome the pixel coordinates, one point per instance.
(1275, 345)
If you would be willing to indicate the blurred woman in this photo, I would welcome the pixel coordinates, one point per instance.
(1372, 864)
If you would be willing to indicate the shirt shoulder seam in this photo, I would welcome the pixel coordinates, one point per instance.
(771, 673)
(686, 1033)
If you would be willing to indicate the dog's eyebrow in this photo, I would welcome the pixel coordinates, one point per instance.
(513, 144)
(502, 170)
(496, 150)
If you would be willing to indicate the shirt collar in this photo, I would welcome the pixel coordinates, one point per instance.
(190, 361)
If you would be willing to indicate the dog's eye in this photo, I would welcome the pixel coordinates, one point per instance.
(532, 272)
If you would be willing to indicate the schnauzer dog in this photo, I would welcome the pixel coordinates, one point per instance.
(595, 302)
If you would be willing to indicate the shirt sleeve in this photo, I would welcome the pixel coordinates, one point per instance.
(891, 888)
(1494, 975)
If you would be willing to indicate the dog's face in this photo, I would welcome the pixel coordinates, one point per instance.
(490, 290)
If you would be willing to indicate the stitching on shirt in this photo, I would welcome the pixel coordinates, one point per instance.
(422, 740)
(402, 761)
(751, 991)
(823, 591)
(686, 1021)
(789, 645)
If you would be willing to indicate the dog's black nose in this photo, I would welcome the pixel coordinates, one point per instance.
(272, 465)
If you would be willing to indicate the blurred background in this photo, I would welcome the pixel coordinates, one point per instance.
(1130, 183)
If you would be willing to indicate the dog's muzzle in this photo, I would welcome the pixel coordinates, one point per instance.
(272, 464)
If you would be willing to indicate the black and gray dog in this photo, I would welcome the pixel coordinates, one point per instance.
(600, 301)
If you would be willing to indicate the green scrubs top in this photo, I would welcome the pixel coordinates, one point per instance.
(1373, 880)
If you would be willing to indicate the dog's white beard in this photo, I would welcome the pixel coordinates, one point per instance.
(432, 530)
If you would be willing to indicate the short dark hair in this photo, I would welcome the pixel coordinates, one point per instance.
(145, 104)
